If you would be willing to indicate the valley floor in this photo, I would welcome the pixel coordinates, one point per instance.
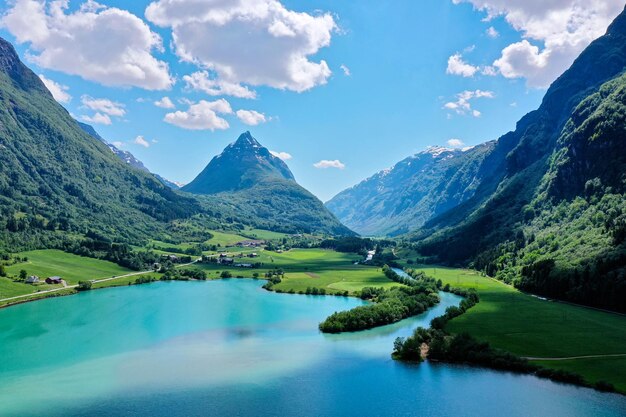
(588, 342)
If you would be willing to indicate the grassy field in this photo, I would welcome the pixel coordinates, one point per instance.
(304, 268)
(72, 268)
(531, 327)
(44, 263)
(263, 234)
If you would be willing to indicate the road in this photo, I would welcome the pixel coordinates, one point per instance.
(65, 286)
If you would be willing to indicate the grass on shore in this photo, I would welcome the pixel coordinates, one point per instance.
(529, 326)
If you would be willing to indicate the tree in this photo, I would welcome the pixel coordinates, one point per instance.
(84, 285)
(23, 274)
(3, 272)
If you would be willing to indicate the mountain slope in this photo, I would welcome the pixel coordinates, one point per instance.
(56, 178)
(555, 225)
(415, 190)
(125, 156)
(246, 177)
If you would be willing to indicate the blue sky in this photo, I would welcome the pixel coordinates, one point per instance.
(400, 76)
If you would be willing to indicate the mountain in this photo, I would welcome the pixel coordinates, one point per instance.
(401, 199)
(126, 156)
(556, 223)
(58, 181)
(240, 166)
(248, 178)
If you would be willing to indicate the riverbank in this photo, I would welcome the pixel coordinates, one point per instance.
(530, 327)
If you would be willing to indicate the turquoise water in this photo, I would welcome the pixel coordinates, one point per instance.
(230, 348)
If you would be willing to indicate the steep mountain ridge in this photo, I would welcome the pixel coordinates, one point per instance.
(556, 223)
(56, 178)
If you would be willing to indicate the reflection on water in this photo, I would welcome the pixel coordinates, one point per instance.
(227, 347)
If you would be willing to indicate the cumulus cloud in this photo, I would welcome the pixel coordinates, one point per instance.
(201, 81)
(118, 144)
(555, 33)
(251, 117)
(103, 105)
(165, 103)
(139, 140)
(281, 155)
(462, 105)
(98, 118)
(457, 66)
(455, 143)
(203, 115)
(106, 45)
(58, 91)
(253, 42)
(346, 70)
(492, 32)
(325, 163)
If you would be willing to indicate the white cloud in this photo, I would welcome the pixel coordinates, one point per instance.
(492, 32)
(346, 70)
(251, 117)
(103, 105)
(106, 45)
(325, 163)
(58, 91)
(118, 144)
(555, 32)
(201, 116)
(165, 103)
(463, 105)
(253, 42)
(281, 155)
(98, 118)
(455, 143)
(456, 66)
(139, 140)
(200, 81)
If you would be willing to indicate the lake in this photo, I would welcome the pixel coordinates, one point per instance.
(230, 348)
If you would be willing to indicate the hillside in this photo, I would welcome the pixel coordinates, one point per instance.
(56, 180)
(247, 179)
(555, 225)
(401, 199)
(126, 156)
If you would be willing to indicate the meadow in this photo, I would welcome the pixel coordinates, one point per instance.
(304, 268)
(532, 327)
(72, 268)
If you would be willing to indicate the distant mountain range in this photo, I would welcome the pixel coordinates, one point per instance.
(543, 207)
(401, 199)
(248, 177)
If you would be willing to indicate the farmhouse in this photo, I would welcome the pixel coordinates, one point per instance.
(244, 266)
(253, 255)
(54, 280)
(33, 279)
(226, 261)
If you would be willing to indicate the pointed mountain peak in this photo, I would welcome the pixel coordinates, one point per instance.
(246, 140)
(243, 164)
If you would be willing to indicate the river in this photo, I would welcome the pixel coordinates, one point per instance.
(230, 348)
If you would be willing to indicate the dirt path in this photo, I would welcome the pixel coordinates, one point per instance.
(312, 275)
(615, 355)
